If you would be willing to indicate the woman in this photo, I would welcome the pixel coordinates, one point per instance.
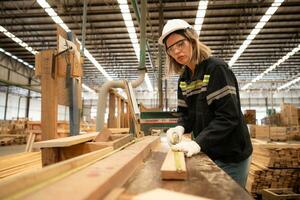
(208, 102)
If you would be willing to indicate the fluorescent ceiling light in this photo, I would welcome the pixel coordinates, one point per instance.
(57, 20)
(263, 20)
(132, 34)
(288, 84)
(50, 12)
(202, 6)
(88, 88)
(122, 2)
(17, 40)
(65, 27)
(8, 34)
(99, 67)
(272, 67)
(43, 3)
(15, 58)
(2, 29)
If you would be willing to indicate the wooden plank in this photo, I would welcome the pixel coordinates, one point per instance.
(118, 140)
(166, 194)
(16, 187)
(111, 112)
(133, 108)
(78, 149)
(96, 180)
(174, 166)
(17, 163)
(103, 135)
(115, 194)
(30, 142)
(119, 130)
(205, 178)
(67, 141)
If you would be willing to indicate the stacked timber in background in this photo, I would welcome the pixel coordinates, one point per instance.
(274, 133)
(289, 115)
(62, 128)
(17, 131)
(13, 131)
(87, 127)
(273, 166)
(283, 126)
(250, 116)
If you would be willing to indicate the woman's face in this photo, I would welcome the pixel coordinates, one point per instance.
(179, 48)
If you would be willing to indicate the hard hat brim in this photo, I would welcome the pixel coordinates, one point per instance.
(162, 37)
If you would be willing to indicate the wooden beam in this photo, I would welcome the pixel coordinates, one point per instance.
(20, 185)
(165, 194)
(67, 141)
(174, 166)
(98, 179)
(119, 130)
(112, 109)
(133, 108)
(49, 95)
(116, 140)
(30, 142)
(17, 163)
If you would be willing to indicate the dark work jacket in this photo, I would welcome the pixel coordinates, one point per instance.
(209, 107)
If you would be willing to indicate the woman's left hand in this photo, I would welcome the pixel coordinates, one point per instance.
(188, 147)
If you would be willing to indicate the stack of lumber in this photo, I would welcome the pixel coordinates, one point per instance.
(250, 116)
(13, 132)
(274, 133)
(63, 129)
(18, 163)
(13, 126)
(274, 165)
(6, 140)
(87, 127)
(34, 127)
(259, 131)
(277, 155)
(273, 119)
(293, 132)
(289, 115)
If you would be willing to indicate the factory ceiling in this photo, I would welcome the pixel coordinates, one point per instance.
(226, 26)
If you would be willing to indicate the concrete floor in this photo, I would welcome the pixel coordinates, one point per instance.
(11, 149)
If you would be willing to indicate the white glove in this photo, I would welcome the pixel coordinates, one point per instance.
(188, 147)
(179, 130)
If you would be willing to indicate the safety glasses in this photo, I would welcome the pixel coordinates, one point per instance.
(179, 45)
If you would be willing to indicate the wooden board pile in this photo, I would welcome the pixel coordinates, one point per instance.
(18, 163)
(289, 115)
(250, 116)
(273, 166)
(273, 120)
(13, 131)
(13, 126)
(274, 133)
(87, 127)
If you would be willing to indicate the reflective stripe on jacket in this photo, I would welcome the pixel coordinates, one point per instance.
(209, 106)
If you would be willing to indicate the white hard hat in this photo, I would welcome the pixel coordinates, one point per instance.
(171, 26)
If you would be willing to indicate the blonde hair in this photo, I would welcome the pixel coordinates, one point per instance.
(200, 52)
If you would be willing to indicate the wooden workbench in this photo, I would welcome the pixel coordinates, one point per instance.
(134, 169)
(205, 179)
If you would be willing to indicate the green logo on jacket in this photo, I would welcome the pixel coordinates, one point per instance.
(206, 78)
